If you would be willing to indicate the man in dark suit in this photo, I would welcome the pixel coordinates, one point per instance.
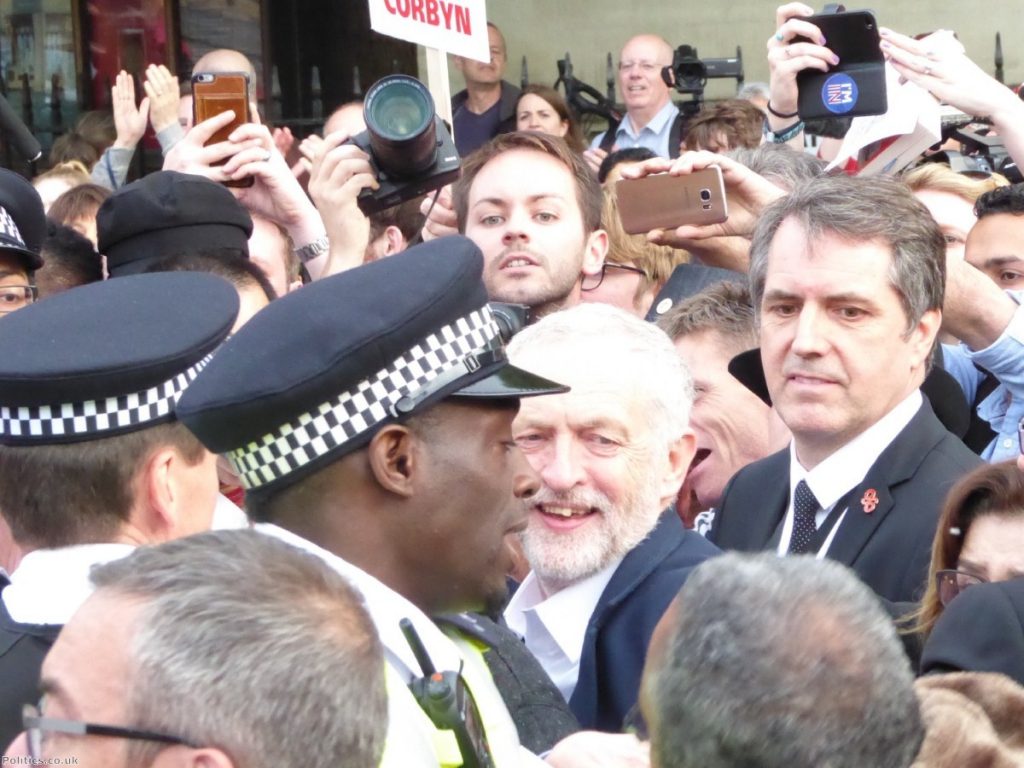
(611, 455)
(848, 278)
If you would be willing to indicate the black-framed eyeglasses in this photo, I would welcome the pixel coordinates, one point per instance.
(950, 583)
(591, 282)
(14, 297)
(36, 725)
(1020, 434)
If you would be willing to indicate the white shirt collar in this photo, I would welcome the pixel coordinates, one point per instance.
(830, 480)
(49, 585)
(555, 626)
(386, 607)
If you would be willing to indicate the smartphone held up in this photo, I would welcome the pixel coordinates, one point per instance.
(663, 201)
(217, 92)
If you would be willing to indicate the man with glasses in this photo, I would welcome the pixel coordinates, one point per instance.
(534, 209)
(93, 461)
(651, 119)
(22, 230)
(182, 677)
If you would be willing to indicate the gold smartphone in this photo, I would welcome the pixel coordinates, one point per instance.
(666, 202)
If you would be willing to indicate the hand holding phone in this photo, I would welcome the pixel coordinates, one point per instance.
(666, 201)
(217, 92)
(855, 86)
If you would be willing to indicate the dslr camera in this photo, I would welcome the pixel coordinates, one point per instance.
(409, 146)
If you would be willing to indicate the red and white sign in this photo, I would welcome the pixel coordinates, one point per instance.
(455, 26)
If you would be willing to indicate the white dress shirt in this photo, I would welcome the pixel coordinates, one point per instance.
(834, 477)
(555, 626)
(49, 585)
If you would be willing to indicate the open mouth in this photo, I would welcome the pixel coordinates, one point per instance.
(699, 456)
(564, 517)
(517, 261)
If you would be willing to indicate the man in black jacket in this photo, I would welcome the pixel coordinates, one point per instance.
(487, 105)
(848, 278)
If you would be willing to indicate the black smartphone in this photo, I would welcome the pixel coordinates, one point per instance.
(855, 87)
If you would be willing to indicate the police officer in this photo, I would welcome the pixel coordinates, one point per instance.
(383, 443)
(92, 459)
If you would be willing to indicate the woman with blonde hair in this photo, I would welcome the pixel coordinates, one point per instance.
(950, 196)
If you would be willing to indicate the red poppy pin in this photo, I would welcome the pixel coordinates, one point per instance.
(869, 501)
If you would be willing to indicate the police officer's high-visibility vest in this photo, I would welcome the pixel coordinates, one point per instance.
(416, 728)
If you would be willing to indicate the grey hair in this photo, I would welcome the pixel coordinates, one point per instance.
(641, 350)
(781, 662)
(861, 210)
(780, 164)
(754, 90)
(722, 307)
(252, 646)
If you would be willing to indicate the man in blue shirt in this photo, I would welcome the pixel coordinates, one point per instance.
(649, 108)
(989, 321)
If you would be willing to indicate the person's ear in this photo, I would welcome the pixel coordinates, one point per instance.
(189, 757)
(677, 464)
(393, 460)
(157, 494)
(165, 503)
(394, 241)
(594, 252)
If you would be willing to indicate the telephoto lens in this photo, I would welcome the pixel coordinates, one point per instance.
(399, 115)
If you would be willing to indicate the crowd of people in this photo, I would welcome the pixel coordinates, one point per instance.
(482, 479)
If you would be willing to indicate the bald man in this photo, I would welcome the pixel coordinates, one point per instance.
(650, 113)
(228, 60)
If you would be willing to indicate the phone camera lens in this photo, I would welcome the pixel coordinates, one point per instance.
(705, 195)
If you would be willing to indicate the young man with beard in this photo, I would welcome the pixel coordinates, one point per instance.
(611, 455)
(534, 209)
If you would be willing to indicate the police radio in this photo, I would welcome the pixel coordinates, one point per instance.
(449, 704)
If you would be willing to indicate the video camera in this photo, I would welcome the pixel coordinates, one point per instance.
(689, 74)
(409, 146)
(981, 153)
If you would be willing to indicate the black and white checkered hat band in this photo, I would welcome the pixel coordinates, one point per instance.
(339, 420)
(49, 423)
(8, 229)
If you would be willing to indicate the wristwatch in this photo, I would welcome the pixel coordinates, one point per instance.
(312, 250)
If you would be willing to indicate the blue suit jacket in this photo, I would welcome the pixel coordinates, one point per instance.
(620, 627)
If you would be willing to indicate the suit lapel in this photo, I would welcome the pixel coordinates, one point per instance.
(769, 507)
(871, 501)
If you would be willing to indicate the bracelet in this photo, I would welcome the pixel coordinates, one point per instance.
(310, 251)
(781, 137)
(783, 115)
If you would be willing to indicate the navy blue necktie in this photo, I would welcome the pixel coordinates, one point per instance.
(805, 508)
